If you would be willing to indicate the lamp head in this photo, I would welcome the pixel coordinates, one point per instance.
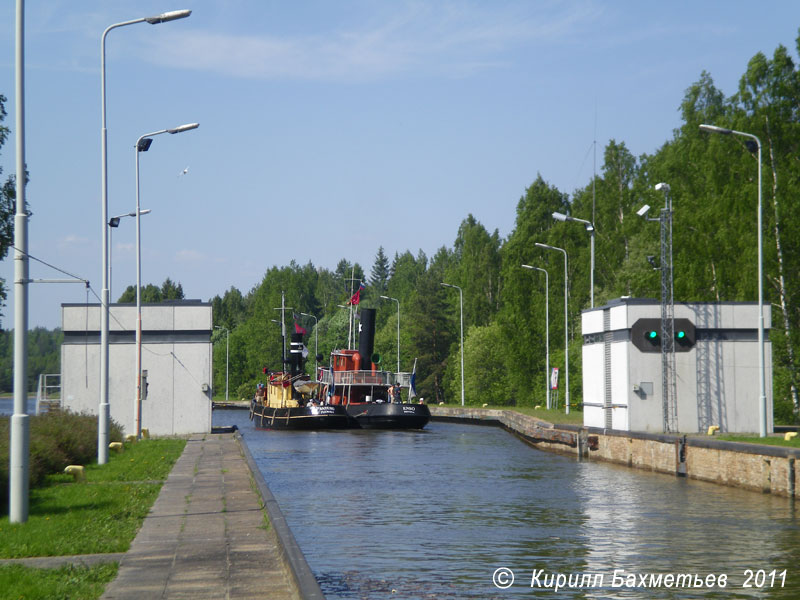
(144, 144)
(113, 222)
(183, 128)
(559, 216)
(643, 211)
(715, 129)
(662, 186)
(168, 16)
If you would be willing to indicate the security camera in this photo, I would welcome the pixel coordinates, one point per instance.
(643, 211)
(662, 186)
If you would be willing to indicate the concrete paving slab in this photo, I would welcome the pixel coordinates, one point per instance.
(204, 536)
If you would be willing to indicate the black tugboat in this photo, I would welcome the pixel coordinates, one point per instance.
(290, 399)
(371, 396)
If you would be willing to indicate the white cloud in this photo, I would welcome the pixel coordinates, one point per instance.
(440, 39)
(73, 240)
(189, 256)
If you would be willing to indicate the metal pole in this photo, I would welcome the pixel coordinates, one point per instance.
(103, 409)
(762, 398)
(546, 329)
(20, 422)
(566, 320)
(138, 398)
(591, 284)
(461, 304)
(140, 148)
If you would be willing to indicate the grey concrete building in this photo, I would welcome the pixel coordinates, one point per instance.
(176, 353)
(717, 379)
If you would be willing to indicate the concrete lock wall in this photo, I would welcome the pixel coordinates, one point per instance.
(716, 379)
(176, 353)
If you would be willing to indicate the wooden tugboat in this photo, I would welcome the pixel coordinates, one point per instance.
(370, 395)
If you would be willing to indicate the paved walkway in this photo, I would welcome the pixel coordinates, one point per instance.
(205, 535)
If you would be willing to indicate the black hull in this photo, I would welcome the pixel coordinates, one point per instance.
(389, 415)
(300, 418)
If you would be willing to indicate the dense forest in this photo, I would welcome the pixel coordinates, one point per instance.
(44, 356)
(714, 190)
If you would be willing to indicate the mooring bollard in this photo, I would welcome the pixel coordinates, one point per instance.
(76, 471)
(116, 446)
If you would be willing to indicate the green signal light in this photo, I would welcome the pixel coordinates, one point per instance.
(681, 335)
(651, 335)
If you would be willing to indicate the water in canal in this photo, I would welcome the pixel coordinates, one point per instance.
(436, 514)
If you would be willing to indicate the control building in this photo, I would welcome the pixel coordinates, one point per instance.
(716, 366)
(176, 356)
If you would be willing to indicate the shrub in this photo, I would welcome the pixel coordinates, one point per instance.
(57, 439)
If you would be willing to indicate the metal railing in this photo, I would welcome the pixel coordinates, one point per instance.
(48, 394)
(386, 378)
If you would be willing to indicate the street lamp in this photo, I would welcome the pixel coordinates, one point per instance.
(316, 364)
(547, 329)
(461, 303)
(113, 222)
(589, 226)
(142, 145)
(103, 409)
(398, 329)
(566, 322)
(762, 399)
(227, 347)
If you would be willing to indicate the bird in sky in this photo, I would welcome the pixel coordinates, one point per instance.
(184, 172)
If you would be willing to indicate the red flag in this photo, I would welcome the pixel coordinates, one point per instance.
(357, 296)
(298, 329)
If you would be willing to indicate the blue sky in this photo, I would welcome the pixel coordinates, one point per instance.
(328, 129)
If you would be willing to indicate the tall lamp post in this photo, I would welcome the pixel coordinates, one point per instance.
(143, 145)
(546, 328)
(762, 398)
(316, 345)
(566, 322)
(19, 450)
(461, 304)
(113, 223)
(103, 409)
(227, 348)
(398, 329)
(589, 226)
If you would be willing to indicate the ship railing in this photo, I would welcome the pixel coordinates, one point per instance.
(364, 378)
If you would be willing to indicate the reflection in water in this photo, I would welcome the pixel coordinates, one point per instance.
(432, 514)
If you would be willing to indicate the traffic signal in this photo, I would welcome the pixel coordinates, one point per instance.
(646, 335)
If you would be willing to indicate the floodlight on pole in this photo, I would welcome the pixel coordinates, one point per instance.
(566, 320)
(461, 304)
(762, 399)
(103, 408)
(113, 223)
(398, 329)
(546, 329)
(138, 148)
(589, 226)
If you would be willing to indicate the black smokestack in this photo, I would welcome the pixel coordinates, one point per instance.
(296, 354)
(366, 336)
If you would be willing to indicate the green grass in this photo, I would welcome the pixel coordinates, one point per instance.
(551, 416)
(98, 516)
(85, 583)
(754, 439)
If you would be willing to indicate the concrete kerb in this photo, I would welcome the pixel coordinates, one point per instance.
(290, 552)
